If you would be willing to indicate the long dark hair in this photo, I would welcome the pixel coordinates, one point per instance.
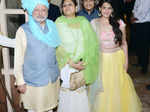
(113, 20)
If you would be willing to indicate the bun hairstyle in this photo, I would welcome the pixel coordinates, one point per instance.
(113, 20)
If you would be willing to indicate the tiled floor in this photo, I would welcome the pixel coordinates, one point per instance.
(140, 80)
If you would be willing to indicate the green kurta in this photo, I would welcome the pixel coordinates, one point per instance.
(78, 41)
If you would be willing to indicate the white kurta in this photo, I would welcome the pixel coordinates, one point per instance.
(71, 101)
(39, 99)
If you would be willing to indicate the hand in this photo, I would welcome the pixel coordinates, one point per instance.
(22, 88)
(79, 66)
(133, 19)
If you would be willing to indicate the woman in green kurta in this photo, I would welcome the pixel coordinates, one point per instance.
(78, 41)
(79, 50)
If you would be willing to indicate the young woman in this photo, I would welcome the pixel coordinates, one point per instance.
(78, 53)
(119, 94)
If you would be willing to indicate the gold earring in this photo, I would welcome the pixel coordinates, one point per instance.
(76, 9)
(99, 14)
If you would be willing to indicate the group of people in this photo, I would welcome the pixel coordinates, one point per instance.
(77, 64)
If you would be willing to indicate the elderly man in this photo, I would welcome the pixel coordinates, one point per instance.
(89, 11)
(36, 70)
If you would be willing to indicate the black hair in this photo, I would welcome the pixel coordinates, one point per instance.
(74, 1)
(113, 20)
(82, 1)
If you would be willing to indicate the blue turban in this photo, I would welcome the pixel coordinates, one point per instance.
(51, 38)
(29, 5)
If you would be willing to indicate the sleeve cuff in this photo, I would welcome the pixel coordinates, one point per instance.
(19, 82)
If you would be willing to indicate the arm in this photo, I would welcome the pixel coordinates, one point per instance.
(5, 41)
(79, 66)
(61, 53)
(134, 12)
(124, 44)
(19, 59)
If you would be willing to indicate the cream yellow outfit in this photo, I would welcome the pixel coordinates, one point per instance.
(38, 99)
